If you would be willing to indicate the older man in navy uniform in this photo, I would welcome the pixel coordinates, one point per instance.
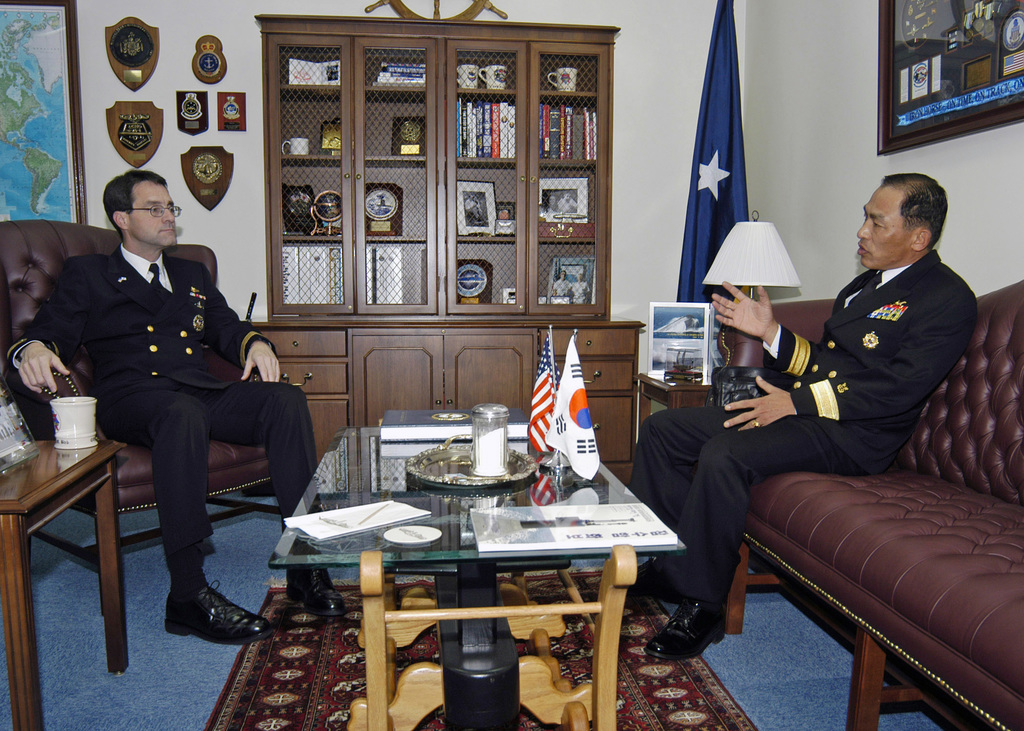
(894, 334)
(144, 318)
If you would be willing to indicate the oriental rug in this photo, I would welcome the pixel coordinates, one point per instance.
(307, 674)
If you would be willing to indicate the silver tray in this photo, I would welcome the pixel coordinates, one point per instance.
(451, 466)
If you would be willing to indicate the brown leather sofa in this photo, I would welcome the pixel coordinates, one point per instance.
(922, 566)
(32, 256)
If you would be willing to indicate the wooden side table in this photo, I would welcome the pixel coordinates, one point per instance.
(672, 394)
(32, 494)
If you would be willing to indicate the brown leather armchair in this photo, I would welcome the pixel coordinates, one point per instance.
(32, 256)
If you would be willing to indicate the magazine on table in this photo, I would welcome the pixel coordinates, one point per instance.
(568, 527)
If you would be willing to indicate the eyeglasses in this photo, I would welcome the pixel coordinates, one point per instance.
(157, 211)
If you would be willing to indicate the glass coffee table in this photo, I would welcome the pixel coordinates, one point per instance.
(480, 677)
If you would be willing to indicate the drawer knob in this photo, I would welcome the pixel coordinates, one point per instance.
(597, 426)
(437, 402)
(295, 343)
(590, 342)
(597, 374)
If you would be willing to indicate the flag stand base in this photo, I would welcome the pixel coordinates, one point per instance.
(558, 468)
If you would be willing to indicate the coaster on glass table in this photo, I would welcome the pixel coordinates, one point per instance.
(411, 535)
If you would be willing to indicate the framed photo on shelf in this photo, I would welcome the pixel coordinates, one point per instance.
(564, 199)
(508, 295)
(571, 280)
(946, 72)
(678, 341)
(475, 210)
(505, 218)
(41, 48)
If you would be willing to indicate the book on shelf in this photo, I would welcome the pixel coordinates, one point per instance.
(555, 124)
(485, 138)
(431, 425)
(568, 527)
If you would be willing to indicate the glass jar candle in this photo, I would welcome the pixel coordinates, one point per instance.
(490, 440)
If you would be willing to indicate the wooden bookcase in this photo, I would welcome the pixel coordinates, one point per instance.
(454, 201)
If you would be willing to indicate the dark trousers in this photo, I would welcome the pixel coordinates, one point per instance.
(177, 425)
(696, 475)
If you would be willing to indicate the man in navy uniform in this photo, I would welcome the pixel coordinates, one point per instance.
(895, 332)
(144, 319)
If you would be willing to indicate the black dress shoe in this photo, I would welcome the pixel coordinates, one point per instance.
(314, 589)
(651, 582)
(688, 633)
(210, 616)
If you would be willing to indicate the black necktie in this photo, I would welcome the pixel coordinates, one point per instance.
(871, 286)
(155, 282)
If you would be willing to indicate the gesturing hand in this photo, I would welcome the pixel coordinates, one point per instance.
(754, 317)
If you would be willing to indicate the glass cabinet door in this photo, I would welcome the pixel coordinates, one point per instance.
(395, 196)
(569, 214)
(487, 178)
(309, 187)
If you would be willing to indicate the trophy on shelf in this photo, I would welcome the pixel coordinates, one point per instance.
(326, 211)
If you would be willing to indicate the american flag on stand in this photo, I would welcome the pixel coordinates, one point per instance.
(543, 405)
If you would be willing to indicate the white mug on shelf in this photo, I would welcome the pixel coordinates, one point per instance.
(467, 75)
(494, 76)
(563, 79)
(295, 146)
(74, 422)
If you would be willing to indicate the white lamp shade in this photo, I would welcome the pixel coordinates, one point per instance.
(753, 254)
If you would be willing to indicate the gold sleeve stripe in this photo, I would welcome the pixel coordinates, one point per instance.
(245, 345)
(825, 398)
(801, 355)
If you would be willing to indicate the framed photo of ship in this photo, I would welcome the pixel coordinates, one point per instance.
(678, 341)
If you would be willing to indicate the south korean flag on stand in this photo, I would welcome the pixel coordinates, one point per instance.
(572, 432)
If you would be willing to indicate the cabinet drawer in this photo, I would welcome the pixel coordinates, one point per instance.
(597, 342)
(613, 416)
(606, 375)
(316, 343)
(316, 377)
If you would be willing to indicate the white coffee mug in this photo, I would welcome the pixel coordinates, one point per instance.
(74, 422)
(295, 146)
(494, 76)
(467, 75)
(563, 79)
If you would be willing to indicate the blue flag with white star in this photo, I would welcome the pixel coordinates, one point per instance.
(718, 178)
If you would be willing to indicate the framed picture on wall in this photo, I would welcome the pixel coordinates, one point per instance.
(42, 174)
(947, 69)
(678, 337)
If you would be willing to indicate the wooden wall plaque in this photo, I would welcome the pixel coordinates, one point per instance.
(135, 130)
(207, 172)
(132, 49)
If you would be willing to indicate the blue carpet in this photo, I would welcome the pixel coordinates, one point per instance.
(785, 672)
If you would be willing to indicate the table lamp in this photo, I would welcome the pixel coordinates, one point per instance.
(752, 255)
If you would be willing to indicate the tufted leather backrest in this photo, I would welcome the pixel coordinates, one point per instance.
(971, 429)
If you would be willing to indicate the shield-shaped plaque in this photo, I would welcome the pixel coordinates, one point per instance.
(193, 115)
(135, 130)
(132, 49)
(207, 172)
(209, 64)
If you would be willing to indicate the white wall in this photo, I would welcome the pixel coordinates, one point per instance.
(659, 69)
(810, 135)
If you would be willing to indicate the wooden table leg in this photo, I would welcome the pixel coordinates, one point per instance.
(19, 625)
(108, 544)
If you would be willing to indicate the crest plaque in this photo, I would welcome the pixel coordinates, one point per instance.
(207, 172)
(132, 49)
(193, 114)
(209, 64)
(135, 130)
